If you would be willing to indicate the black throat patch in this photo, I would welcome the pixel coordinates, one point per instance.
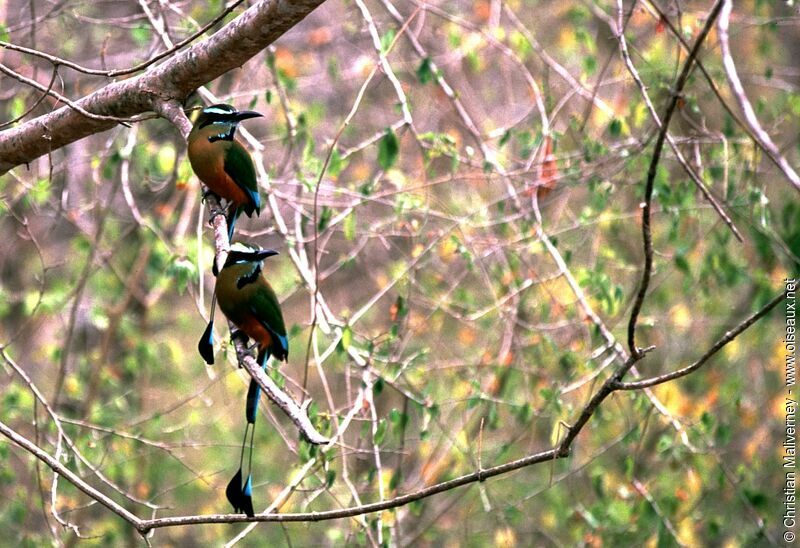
(224, 136)
(249, 278)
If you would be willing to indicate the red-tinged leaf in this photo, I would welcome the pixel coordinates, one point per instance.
(661, 25)
(549, 172)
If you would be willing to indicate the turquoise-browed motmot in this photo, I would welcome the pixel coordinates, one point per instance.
(250, 303)
(221, 163)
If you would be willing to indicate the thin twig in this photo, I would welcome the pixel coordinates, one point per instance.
(651, 176)
(56, 61)
(716, 347)
(73, 478)
(619, 31)
(36, 103)
(741, 98)
(48, 90)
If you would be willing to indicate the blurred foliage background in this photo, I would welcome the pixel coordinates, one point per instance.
(441, 300)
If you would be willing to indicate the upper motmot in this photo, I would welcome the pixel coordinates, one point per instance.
(221, 163)
(250, 303)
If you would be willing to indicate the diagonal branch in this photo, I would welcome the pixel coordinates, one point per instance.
(298, 413)
(73, 478)
(58, 61)
(725, 339)
(761, 136)
(173, 80)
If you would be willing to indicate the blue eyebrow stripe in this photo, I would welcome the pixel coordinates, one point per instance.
(215, 110)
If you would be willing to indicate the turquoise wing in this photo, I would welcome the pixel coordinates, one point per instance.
(264, 304)
(239, 166)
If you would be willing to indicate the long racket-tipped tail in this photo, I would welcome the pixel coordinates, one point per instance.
(206, 343)
(239, 494)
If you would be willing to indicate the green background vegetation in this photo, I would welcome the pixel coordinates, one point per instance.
(478, 350)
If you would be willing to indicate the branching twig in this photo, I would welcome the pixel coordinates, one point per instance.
(48, 90)
(56, 61)
(726, 338)
(619, 30)
(73, 478)
(36, 103)
(651, 176)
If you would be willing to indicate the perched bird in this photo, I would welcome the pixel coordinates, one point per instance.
(224, 165)
(250, 303)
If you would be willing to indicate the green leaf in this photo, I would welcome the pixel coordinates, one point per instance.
(525, 414)
(349, 226)
(288, 82)
(40, 192)
(590, 64)
(183, 271)
(619, 512)
(425, 72)
(681, 263)
(388, 149)
(324, 218)
(347, 337)
(395, 481)
(398, 419)
(17, 107)
(336, 163)
(615, 127)
(306, 451)
(330, 476)
(492, 417)
(275, 374)
(756, 498)
(578, 15)
(386, 40)
(380, 432)
(141, 34)
(723, 434)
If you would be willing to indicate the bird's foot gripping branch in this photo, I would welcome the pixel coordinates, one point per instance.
(253, 312)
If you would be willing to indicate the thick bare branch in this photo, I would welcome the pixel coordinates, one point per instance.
(173, 80)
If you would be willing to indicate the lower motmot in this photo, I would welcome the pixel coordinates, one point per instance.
(250, 303)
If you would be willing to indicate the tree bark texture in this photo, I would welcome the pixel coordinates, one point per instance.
(172, 80)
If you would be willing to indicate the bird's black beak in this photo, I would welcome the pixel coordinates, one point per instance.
(245, 114)
(263, 254)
